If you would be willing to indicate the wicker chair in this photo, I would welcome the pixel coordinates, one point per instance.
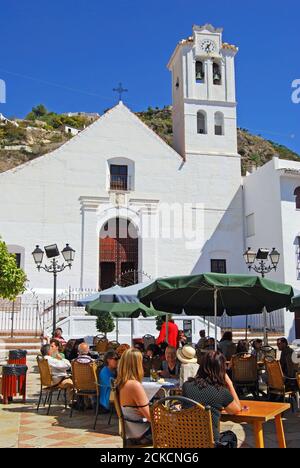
(85, 383)
(245, 373)
(102, 345)
(268, 352)
(147, 340)
(47, 385)
(122, 426)
(184, 428)
(277, 383)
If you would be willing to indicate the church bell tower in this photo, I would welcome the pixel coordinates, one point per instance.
(204, 97)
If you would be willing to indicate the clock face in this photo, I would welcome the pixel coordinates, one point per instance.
(208, 46)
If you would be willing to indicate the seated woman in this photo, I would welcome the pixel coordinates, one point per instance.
(106, 375)
(257, 346)
(171, 366)
(212, 387)
(226, 346)
(133, 399)
(243, 347)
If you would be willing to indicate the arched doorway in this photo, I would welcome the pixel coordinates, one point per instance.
(118, 251)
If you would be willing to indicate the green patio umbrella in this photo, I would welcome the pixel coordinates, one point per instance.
(212, 294)
(122, 310)
(295, 306)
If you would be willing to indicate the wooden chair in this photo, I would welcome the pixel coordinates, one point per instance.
(245, 373)
(268, 352)
(277, 382)
(147, 340)
(181, 428)
(85, 383)
(47, 385)
(122, 425)
(102, 345)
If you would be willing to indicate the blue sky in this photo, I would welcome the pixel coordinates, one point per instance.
(69, 54)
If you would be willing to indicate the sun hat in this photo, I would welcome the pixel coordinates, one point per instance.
(187, 355)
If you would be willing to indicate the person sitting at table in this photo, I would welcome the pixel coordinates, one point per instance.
(83, 354)
(289, 368)
(210, 344)
(212, 387)
(202, 342)
(227, 346)
(172, 333)
(171, 366)
(153, 351)
(58, 336)
(55, 347)
(257, 346)
(106, 375)
(58, 368)
(133, 399)
(189, 364)
(182, 339)
(243, 347)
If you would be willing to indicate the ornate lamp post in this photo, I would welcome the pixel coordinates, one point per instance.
(54, 267)
(262, 262)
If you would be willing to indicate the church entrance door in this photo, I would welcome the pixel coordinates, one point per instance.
(118, 251)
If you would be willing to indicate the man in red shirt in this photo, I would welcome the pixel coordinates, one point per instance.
(172, 333)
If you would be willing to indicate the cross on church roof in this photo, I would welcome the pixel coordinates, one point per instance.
(120, 90)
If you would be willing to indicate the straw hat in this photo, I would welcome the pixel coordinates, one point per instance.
(187, 355)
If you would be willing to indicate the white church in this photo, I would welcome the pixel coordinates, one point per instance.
(128, 202)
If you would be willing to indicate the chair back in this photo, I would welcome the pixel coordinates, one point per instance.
(45, 372)
(147, 340)
(268, 352)
(115, 396)
(186, 427)
(102, 345)
(84, 376)
(244, 369)
(275, 375)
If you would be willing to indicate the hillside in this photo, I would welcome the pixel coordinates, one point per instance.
(42, 132)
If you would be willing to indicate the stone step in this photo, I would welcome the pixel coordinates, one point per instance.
(19, 340)
(26, 346)
(21, 333)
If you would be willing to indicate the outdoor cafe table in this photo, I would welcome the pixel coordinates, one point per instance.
(152, 388)
(257, 414)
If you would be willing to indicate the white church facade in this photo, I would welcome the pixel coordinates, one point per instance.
(128, 202)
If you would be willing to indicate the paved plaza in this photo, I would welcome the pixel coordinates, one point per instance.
(22, 427)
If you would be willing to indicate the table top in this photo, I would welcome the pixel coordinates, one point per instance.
(257, 411)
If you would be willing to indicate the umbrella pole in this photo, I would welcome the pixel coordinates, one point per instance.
(117, 330)
(246, 331)
(265, 327)
(216, 315)
(131, 331)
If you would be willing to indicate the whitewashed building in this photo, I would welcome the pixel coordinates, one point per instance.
(173, 211)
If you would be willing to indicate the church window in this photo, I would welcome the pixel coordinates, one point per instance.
(201, 123)
(297, 195)
(200, 75)
(219, 123)
(217, 74)
(118, 177)
(218, 266)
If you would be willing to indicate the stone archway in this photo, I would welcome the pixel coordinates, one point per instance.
(119, 250)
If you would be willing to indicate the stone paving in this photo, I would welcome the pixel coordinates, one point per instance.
(22, 427)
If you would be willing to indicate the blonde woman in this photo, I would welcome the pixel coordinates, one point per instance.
(133, 398)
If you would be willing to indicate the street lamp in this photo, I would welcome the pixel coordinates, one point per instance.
(257, 261)
(262, 262)
(52, 253)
